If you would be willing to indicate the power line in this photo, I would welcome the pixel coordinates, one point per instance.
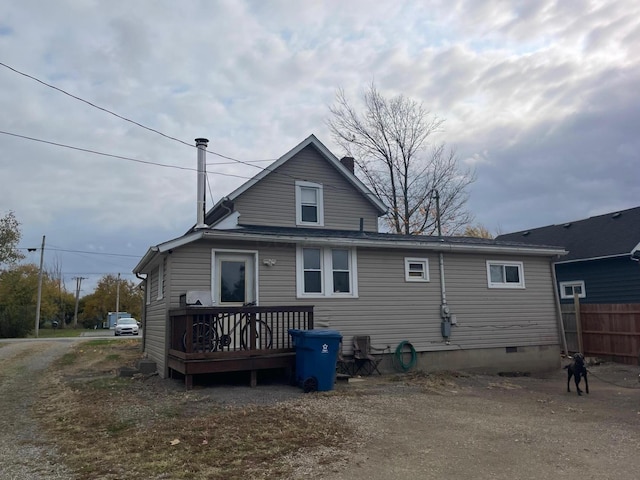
(87, 252)
(247, 163)
(95, 152)
(94, 105)
(121, 117)
(120, 157)
(139, 125)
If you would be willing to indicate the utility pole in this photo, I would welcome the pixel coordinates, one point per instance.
(75, 314)
(117, 298)
(39, 301)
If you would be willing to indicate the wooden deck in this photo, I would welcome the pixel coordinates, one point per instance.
(231, 339)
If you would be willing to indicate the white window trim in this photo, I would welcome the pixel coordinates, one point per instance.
(574, 283)
(318, 187)
(425, 271)
(326, 273)
(519, 285)
(160, 280)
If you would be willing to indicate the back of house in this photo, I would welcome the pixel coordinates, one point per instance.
(304, 232)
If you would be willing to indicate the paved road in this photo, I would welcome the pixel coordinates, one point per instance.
(86, 335)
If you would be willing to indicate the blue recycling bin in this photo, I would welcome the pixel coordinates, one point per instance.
(316, 358)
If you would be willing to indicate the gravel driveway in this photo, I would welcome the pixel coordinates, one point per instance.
(426, 427)
(22, 455)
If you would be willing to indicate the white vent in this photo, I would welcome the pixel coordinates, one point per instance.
(199, 298)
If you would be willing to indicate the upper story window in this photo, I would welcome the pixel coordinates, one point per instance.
(505, 274)
(568, 289)
(326, 272)
(309, 204)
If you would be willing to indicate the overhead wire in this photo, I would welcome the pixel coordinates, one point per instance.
(248, 163)
(157, 164)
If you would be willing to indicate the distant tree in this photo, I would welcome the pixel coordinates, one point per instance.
(18, 298)
(103, 300)
(9, 237)
(391, 142)
(477, 231)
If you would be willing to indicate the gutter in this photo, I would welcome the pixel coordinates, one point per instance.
(145, 260)
(605, 257)
(435, 246)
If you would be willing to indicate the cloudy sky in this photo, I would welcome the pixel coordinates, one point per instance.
(541, 98)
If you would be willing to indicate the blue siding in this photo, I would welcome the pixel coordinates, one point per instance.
(612, 280)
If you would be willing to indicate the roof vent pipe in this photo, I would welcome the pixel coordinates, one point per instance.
(201, 144)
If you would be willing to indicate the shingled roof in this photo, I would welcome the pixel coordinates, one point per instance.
(611, 234)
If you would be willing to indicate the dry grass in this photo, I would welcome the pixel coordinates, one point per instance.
(113, 428)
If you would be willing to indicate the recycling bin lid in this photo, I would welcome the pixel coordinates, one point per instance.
(320, 333)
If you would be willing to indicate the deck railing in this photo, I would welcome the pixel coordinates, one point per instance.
(206, 332)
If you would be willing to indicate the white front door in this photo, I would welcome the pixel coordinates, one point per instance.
(235, 279)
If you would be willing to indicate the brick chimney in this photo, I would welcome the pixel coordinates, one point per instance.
(348, 162)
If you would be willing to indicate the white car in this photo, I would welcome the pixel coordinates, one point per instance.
(126, 326)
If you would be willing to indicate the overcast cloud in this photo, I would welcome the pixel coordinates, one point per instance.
(540, 97)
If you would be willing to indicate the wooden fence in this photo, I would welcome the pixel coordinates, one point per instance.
(609, 331)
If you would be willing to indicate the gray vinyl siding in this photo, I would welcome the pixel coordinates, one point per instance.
(392, 310)
(388, 308)
(497, 317)
(155, 321)
(272, 202)
(190, 270)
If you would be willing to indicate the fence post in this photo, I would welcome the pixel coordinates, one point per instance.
(576, 305)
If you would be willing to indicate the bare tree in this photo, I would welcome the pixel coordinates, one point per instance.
(390, 141)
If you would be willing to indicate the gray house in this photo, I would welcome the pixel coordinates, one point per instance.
(302, 236)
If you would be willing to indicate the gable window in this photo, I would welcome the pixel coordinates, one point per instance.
(326, 272)
(568, 289)
(505, 274)
(309, 204)
(416, 270)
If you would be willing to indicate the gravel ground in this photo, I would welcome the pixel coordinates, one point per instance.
(22, 454)
(419, 426)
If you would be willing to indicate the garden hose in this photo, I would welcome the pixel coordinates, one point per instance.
(399, 362)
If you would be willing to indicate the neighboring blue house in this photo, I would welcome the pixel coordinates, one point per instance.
(603, 261)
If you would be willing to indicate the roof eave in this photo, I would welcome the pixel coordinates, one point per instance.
(436, 246)
(165, 247)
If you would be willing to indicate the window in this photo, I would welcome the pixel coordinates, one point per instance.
(309, 204)
(326, 272)
(416, 270)
(505, 274)
(568, 289)
(312, 261)
(160, 281)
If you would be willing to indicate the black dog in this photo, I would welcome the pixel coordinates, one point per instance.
(578, 370)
